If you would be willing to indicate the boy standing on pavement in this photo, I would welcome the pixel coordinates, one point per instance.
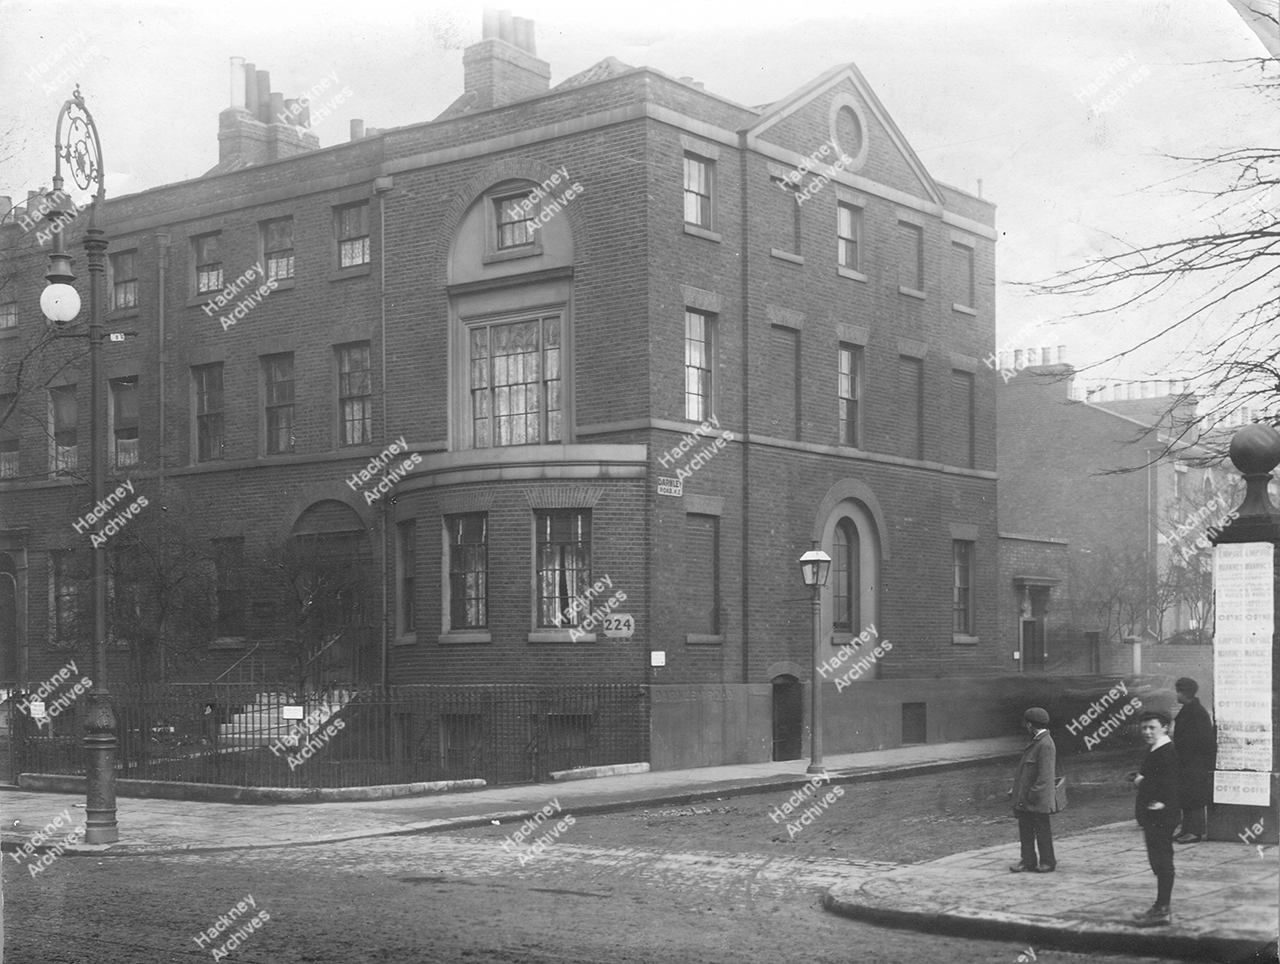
(1033, 795)
(1158, 812)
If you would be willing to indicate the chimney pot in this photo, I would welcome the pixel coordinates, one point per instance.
(357, 128)
(251, 89)
(490, 23)
(505, 29)
(237, 81)
(277, 109)
(264, 96)
(1062, 354)
(291, 111)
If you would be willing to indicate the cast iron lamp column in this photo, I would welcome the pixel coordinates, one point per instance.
(60, 304)
(814, 566)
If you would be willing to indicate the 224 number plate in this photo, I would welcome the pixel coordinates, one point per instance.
(619, 625)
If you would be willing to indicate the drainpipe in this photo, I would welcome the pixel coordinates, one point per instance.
(162, 357)
(381, 185)
(745, 207)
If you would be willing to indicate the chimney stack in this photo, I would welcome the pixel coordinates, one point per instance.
(256, 128)
(503, 67)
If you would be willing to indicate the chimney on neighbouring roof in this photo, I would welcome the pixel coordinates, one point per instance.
(503, 67)
(260, 125)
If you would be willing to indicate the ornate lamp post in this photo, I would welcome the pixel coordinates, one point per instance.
(814, 566)
(60, 303)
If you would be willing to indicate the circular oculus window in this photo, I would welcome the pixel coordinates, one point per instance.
(848, 132)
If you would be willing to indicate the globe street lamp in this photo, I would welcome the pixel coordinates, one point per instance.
(60, 303)
(814, 566)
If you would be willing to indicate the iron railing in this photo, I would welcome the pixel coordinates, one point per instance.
(236, 734)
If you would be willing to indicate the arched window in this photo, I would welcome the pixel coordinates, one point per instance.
(846, 582)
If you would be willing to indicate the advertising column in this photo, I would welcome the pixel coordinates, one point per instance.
(1244, 586)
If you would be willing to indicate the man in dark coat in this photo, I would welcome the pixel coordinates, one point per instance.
(1158, 811)
(1197, 749)
(1033, 795)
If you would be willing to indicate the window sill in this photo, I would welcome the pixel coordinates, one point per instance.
(123, 313)
(850, 273)
(559, 636)
(342, 274)
(227, 642)
(704, 639)
(699, 232)
(282, 284)
(532, 251)
(10, 332)
(462, 636)
(197, 301)
(959, 639)
(405, 639)
(785, 256)
(963, 309)
(910, 292)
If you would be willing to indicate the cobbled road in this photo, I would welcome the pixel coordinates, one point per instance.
(707, 885)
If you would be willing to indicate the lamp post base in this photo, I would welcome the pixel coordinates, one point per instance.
(100, 772)
(817, 769)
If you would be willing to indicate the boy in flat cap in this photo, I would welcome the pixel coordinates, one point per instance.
(1033, 795)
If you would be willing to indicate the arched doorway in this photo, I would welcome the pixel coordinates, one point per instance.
(788, 717)
(850, 527)
(334, 608)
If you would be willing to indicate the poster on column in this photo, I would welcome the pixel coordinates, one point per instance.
(1243, 588)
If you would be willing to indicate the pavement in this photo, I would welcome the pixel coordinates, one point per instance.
(1224, 902)
(1225, 899)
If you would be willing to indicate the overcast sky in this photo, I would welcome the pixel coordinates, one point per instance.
(982, 89)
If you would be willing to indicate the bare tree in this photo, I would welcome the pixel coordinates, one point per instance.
(1227, 267)
(1108, 593)
(320, 590)
(161, 588)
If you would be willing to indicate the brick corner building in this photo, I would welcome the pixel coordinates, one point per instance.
(643, 345)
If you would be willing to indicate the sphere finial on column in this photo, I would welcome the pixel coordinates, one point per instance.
(1255, 451)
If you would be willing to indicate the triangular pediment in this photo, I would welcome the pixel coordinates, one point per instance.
(799, 121)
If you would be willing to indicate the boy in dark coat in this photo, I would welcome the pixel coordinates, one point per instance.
(1033, 796)
(1197, 749)
(1158, 811)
